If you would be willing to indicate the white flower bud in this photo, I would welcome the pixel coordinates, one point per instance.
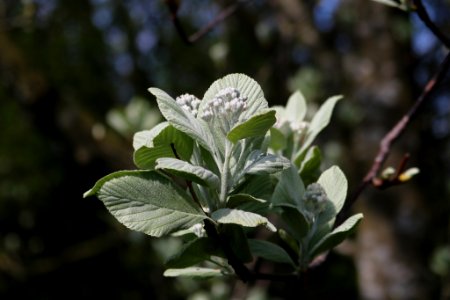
(189, 103)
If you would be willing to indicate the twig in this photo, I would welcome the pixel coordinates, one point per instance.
(393, 135)
(189, 40)
(423, 15)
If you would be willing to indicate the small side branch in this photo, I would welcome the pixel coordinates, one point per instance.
(393, 135)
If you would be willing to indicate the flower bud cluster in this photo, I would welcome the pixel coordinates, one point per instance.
(189, 103)
(315, 200)
(227, 103)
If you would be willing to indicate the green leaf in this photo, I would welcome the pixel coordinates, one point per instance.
(240, 217)
(309, 170)
(145, 137)
(240, 199)
(277, 139)
(296, 222)
(195, 272)
(319, 122)
(183, 120)
(235, 236)
(295, 108)
(158, 142)
(194, 252)
(248, 88)
(190, 172)
(249, 203)
(148, 202)
(145, 158)
(94, 190)
(264, 163)
(259, 186)
(335, 184)
(339, 234)
(257, 125)
(290, 188)
(270, 251)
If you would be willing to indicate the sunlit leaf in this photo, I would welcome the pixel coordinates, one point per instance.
(248, 88)
(183, 120)
(335, 184)
(194, 272)
(257, 125)
(160, 141)
(147, 201)
(240, 217)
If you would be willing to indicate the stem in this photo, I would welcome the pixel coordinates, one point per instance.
(224, 172)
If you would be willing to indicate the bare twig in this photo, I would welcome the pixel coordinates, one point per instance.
(173, 8)
(423, 15)
(394, 134)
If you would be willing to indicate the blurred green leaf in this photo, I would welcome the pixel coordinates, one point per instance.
(296, 107)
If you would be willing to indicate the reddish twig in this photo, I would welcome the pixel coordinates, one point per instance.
(189, 40)
(393, 135)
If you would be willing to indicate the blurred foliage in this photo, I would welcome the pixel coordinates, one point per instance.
(65, 64)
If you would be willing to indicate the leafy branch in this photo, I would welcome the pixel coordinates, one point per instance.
(219, 147)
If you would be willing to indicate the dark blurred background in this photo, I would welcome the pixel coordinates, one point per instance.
(73, 90)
